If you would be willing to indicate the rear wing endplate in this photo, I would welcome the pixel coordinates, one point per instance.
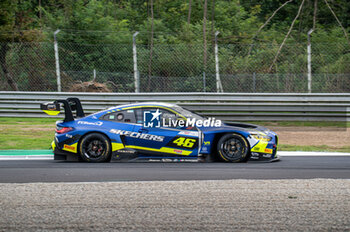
(69, 105)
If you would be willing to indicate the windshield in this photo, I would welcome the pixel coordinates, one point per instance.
(187, 113)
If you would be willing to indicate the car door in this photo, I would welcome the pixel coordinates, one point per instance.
(120, 125)
(164, 138)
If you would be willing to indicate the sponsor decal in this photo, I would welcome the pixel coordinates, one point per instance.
(137, 135)
(126, 151)
(262, 149)
(206, 142)
(69, 136)
(191, 133)
(90, 123)
(178, 151)
(68, 147)
(183, 142)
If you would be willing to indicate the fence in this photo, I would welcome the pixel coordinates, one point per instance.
(175, 67)
(225, 106)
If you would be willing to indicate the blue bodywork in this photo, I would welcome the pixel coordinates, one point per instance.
(131, 140)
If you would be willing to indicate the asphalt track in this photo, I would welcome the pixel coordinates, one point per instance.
(290, 167)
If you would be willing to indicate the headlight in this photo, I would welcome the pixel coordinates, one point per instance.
(261, 137)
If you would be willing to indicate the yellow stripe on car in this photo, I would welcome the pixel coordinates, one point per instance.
(53, 145)
(163, 149)
(261, 147)
(117, 146)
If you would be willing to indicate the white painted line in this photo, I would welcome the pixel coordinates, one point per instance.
(310, 153)
(26, 157)
(280, 153)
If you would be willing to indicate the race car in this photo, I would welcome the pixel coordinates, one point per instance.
(151, 131)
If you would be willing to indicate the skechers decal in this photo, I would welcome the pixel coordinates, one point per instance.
(138, 135)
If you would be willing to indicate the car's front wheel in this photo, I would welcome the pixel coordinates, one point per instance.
(233, 148)
(95, 148)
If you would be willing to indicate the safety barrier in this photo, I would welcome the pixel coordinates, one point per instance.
(225, 106)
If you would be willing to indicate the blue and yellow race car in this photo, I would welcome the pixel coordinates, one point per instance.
(155, 131)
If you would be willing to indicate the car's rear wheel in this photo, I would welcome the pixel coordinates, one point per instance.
(233, 148)
(95, 148)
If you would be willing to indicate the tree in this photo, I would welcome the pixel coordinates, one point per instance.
(15, 16)
(189, 12)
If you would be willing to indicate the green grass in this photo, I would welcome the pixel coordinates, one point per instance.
(26, 133)
(38, 133)
(28, 121)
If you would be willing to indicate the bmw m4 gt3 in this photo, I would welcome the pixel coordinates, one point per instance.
(154, 131)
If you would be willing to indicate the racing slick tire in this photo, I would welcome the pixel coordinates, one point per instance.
(95, 148)
(233, 148)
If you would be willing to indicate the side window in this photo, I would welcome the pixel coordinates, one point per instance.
(139, 116)
(124, 116)
(167, 118)
(172, 120)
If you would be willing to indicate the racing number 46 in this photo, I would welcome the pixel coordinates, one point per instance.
(184, 142)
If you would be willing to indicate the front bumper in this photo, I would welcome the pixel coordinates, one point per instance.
(265, 151)
(264, 157)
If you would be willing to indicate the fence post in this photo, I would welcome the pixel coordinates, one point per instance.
(58, 74)
(204, 84)
(218, 81)
(309, 61)
(254, 82)
(136, 72)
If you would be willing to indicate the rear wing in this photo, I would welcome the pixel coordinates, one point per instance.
(69, 105)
